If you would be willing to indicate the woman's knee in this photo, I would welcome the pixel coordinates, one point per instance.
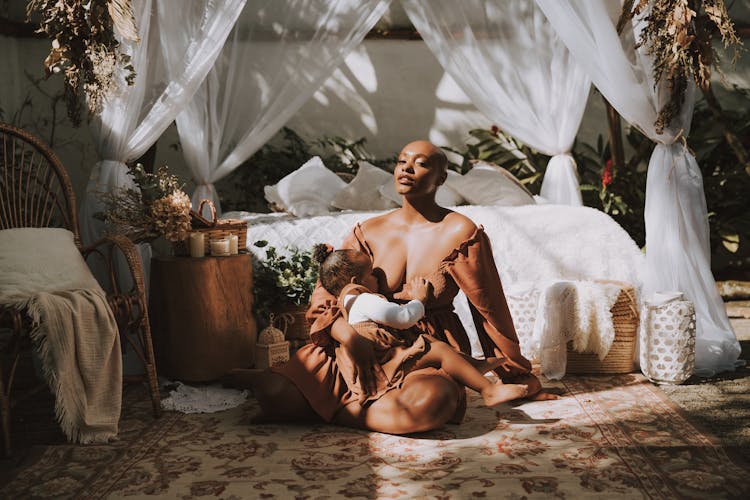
(280, 399)
(430, 400)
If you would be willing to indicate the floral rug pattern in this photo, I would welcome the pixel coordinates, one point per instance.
(607, 437)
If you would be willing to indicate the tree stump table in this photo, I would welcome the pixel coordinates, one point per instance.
(201, 315)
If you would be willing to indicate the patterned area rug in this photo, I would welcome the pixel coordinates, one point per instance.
(607, 437)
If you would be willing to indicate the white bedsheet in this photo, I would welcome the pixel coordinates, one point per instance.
(532, 244)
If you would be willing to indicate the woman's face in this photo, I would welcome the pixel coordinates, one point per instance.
(417, 171)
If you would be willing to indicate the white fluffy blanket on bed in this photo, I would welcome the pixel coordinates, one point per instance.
(533, 245)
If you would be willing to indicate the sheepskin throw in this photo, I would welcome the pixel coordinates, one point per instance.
(73, 328)
(577, 312)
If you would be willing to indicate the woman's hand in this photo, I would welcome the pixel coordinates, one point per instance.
(417, 288)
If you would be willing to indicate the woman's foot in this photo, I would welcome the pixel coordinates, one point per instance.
(543, 396)
(500, 393)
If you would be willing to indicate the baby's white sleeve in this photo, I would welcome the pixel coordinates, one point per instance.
(370, 307)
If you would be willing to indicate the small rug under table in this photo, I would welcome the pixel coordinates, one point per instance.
(607, 437)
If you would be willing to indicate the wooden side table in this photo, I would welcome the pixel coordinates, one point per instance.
(201, 315)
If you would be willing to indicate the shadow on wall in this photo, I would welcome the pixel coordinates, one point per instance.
(390, 92)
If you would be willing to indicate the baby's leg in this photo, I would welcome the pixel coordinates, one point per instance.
(441, 355)
(482, 365)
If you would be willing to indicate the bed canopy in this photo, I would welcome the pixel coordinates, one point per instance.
(526, 64)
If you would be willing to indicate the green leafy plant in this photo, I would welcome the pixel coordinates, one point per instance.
(282, 281)
(495, 146)
(619, 192)
(726, 184)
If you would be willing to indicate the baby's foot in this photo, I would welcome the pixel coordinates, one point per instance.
(486, 364)
(500, 393)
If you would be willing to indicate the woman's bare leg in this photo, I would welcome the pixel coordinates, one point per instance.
(423, 403)
(279, 398)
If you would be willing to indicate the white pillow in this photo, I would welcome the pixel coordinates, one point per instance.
(362, 192)
(446, 196)
(36, 260)
(487, 184)
(309, 190)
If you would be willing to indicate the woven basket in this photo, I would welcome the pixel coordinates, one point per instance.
(293, 323)
(214, 229)
(620, 356)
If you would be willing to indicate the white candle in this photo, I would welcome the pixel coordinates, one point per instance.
(197, 244)
(220, 247)
(233, 244)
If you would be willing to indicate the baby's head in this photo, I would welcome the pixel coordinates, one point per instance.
(338, 268)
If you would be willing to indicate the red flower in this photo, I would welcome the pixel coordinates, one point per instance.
(494, 130)
(607, 173)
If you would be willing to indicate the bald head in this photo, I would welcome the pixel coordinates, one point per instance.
(434, 154)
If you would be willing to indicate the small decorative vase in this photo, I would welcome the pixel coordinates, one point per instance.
(667, 339)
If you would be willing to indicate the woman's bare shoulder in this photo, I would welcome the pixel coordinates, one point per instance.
(458, 226)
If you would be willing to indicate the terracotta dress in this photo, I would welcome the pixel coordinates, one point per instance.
(396, 351)
(471, 268)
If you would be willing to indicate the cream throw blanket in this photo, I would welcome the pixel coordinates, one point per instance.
(74, 329)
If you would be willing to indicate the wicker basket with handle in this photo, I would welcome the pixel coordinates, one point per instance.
(295, 324)
(619, 359)
(214, 229)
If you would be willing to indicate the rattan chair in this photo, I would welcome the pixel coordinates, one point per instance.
(35, 191)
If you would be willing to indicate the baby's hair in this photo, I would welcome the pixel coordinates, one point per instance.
(337, 267)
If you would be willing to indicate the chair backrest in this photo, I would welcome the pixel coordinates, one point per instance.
(35, 189)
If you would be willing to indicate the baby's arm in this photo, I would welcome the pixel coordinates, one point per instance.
(370, 307)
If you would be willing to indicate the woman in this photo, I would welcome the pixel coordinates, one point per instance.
(419, 239)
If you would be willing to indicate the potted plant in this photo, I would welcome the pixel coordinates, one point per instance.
(283, 284)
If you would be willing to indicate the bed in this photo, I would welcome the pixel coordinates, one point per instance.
(533, 245)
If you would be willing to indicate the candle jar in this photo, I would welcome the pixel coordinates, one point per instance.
(220, 247)
(667, 339)
(197, 244)
(233, 244)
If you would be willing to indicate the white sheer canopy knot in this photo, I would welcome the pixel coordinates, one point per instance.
(560, 184)
(514, 67)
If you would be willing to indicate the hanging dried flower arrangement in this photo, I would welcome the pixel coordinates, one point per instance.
(678, 35)
(85, 47)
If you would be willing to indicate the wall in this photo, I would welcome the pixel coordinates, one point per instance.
(388, 91)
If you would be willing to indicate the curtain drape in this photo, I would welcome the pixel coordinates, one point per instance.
(276, 58)
(510, 62)
(133, 120)
(677, 233)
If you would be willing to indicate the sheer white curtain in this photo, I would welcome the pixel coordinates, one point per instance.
(677, 233)
(278, 55)
(133, 120)
(510, 62)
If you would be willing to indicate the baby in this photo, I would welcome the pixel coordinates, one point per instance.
(399, 348)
